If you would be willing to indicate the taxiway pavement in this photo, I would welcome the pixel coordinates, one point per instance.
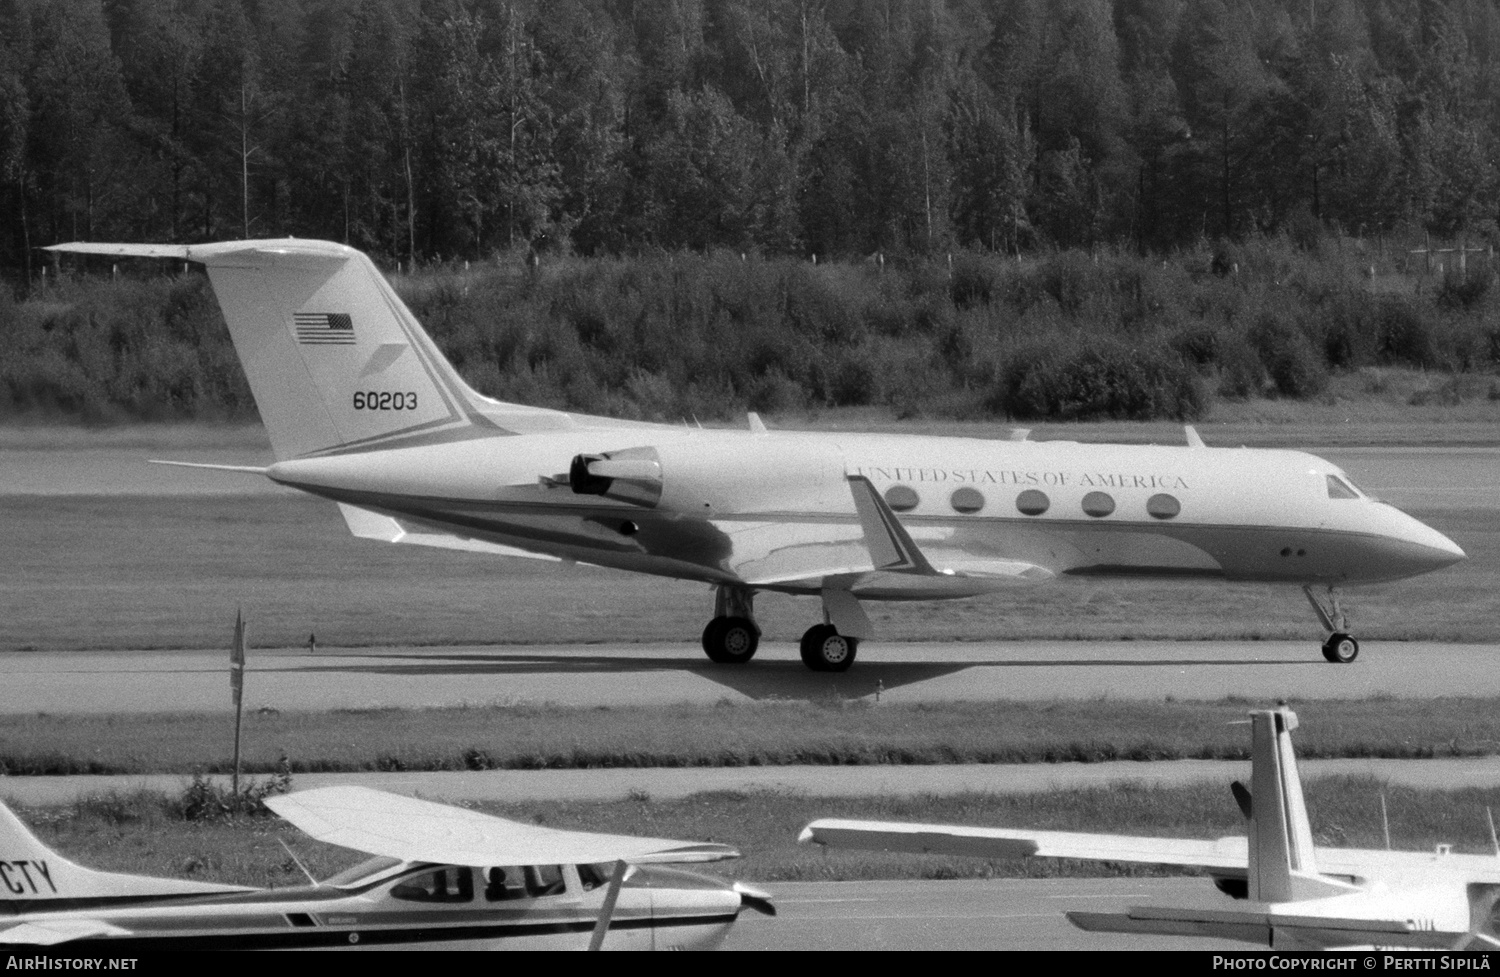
(659, 674)
(996, 914)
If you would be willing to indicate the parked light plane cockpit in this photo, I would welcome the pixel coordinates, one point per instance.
(363, 409)
(1283, 892)
(442, 878)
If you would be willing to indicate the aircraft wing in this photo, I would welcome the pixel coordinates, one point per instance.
(1358, 919)
(946, 839)
(878, 558)
(415, 830)
(1365, 863)
(53, 932)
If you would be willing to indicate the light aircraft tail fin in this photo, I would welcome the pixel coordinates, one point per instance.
(31, 872)
(334, 357)
(1282, 865)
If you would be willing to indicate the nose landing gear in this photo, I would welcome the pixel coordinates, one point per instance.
(1340, 648)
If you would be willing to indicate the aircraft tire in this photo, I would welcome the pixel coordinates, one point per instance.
(1341, 649)
(731, 640)
(825, 650)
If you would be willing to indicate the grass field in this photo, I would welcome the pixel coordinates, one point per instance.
(762, 734)
(145, 833)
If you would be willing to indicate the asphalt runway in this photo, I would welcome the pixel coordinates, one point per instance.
(1000, 914)
(658, 674)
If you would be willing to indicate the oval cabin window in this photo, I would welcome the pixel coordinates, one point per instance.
(901, 498)
(1032, 503)
(1098, 504)
(1163, 506)
(966, 500)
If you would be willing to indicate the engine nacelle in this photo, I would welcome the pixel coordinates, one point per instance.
(721, 472)
(632, 475)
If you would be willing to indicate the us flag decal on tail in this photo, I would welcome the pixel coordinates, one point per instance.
(324, 328)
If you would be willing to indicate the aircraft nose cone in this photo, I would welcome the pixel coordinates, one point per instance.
(1413, 547)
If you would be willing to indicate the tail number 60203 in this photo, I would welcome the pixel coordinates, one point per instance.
(384, 400)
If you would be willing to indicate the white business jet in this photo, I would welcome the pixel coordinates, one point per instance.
(442, 878)
(1281, 891)
(363, 409)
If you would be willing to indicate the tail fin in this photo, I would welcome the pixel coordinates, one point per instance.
(1282, 863)
(333, 356)
(31, 872)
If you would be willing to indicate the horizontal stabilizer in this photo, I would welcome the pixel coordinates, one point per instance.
(53, 932)
(1246, 931)
(239, 469)
(365, 524)
(415, 830)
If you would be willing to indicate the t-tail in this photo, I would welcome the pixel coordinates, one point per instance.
(33, 876)
(334, 358)
(1282, 866)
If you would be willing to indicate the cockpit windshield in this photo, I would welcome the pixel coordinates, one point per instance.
(1339, 487)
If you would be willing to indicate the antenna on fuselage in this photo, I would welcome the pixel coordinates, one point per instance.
(1193, 440)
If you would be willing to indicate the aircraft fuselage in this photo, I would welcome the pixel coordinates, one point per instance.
(740, 508)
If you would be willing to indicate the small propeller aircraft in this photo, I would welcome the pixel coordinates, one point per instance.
(1283, 892)
(363, 409)
(442, 878)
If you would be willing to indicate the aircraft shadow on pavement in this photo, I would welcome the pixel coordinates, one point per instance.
(756, 680)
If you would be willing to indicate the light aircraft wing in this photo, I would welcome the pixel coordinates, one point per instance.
(415, 830)
(55, 931)
(946, 839)
(1256, 926)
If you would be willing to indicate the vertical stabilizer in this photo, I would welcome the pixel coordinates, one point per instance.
(333, 356)
(30, 872)
(1282, 863)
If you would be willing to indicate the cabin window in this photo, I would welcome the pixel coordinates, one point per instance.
(966, 500)
(504, 883)
(1098, 504)
(901, 498)
(1340, 488)
(451, 884)
(1032, 503)
(1163, 506)
(544, 880)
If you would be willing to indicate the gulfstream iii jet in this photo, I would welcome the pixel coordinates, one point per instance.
(363, 409)
(1283, 891)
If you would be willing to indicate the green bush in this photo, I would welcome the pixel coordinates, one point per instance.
(1294, 366)
(1094, 380)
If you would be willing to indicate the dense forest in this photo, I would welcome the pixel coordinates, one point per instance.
(443, 129)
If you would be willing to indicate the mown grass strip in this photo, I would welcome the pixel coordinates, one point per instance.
(146, 832)
(838, 732)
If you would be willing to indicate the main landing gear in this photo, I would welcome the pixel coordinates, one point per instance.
(732, 637)
(825, 650)
(1340, 648)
